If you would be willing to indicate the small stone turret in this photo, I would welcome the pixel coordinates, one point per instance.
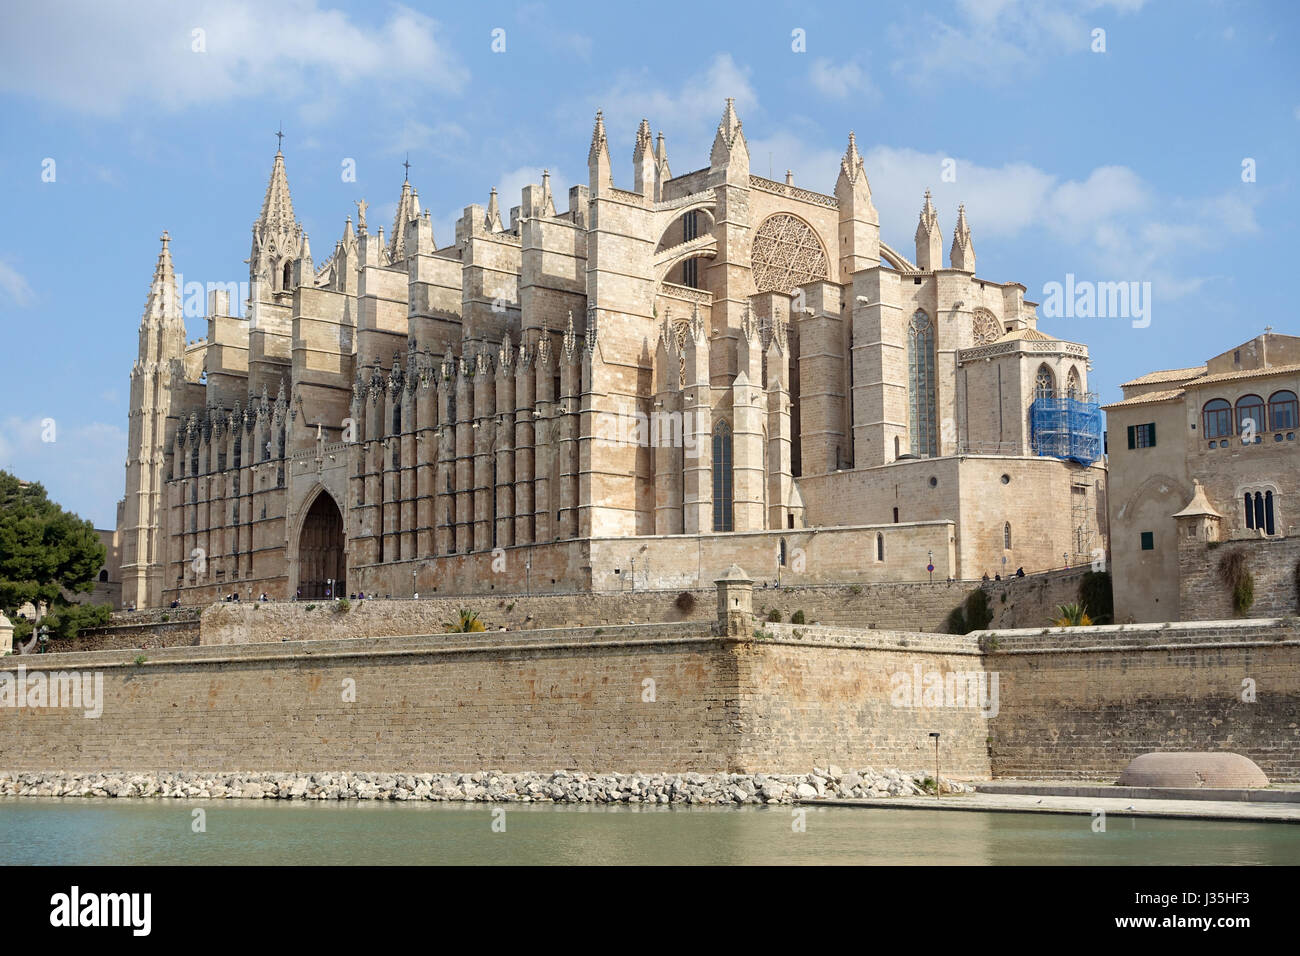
(735, 603)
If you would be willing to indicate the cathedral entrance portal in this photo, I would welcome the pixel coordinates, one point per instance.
(321, 567)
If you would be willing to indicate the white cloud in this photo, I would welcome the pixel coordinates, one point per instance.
(96, 57)
(82, 469)
(840, 80)
(15, 285)
(1111, 223)
(996, 40)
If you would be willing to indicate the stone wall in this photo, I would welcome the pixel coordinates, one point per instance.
(910, 607)
(1203, 595)
(574, 699)
(1083, 702)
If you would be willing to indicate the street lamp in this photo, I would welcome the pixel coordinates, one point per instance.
(936, 764)
(929, 565)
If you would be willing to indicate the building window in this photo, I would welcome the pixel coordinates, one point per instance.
(1259, 511)
(1006, 536)
(895, 516)
(1072, 383)
(1148, 540)
(1217, 418)
(690, 227)
(880, 546)
(780, 554)
(920, 382)
(1282, 410)
(722, 517)
(1142, 436)
(1250, 414)
(691, 273)
(1044, 383)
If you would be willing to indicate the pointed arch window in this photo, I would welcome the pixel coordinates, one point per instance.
(722, 485)
(880, 546)
(920, 385)
(1072, 387)
(1044, 383)
(1006, 536)
(287, 282)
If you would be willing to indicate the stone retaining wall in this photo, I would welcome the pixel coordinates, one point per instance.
(1080, 703)
(666, 697)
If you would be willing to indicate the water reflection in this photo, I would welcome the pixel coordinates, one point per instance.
(102, 831)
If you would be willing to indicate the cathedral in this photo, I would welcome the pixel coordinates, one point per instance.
(663, 379)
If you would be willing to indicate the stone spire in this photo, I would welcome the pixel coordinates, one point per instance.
(929, 240)
(493, 217)
(962, 254)
(859, 223)
(548, 200)
(729, 147)
(276, 233)
(407, 209)
(277, 207)
(599, 174)
(162, 308)
(643, 162)
(661, 158)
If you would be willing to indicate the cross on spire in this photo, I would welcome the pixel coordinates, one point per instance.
(279, 137)
(407, 164)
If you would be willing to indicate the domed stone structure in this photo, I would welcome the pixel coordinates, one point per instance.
(1192, 770)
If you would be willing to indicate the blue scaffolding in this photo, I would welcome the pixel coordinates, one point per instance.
(1066, 426)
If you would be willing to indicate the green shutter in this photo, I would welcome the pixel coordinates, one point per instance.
(1132, 440)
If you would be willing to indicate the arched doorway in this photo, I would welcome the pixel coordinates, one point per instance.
(320, 551)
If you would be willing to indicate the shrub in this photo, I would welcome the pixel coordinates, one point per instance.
(342, 604)
(140, 659)
(1236, 574)
(956, 623)
(685, 602)
(165, 618)
(797, 618)
(310, 607)
(467, 622)
(855, 588)
(774, 616)
(1095, 594)
(1071, 615)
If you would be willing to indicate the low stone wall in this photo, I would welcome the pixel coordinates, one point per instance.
(1080, 703)
(666, 697)
(908, 607)
(139, 636)
(1203, 594)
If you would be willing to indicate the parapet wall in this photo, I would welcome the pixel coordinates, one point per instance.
(1082, 702)
(1272, 562)
(1016, 602)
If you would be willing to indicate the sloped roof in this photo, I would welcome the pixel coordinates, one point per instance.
(1166, 375)
(1245, 373)
(1148, 397)
(1032, 334)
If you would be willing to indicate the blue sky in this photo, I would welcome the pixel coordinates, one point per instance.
(1122, 165)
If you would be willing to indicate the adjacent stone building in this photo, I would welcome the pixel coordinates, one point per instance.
(638, 391)
(1200, 457)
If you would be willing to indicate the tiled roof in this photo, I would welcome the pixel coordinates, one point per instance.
(1267, 371)
(1167, 375)
(1148, 397)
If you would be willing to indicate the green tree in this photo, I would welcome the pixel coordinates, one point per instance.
(45, 551)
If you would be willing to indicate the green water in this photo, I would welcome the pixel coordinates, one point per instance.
(103, 831)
